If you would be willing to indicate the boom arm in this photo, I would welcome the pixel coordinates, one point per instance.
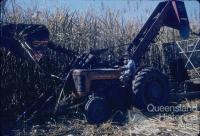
(169, 13)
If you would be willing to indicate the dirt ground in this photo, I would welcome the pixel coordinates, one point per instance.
(184, 120)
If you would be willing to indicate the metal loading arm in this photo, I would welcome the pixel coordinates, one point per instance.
(169, 13)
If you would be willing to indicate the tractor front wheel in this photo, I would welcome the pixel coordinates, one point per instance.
(97, 110)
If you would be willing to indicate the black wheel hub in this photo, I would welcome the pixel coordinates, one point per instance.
(154, 92)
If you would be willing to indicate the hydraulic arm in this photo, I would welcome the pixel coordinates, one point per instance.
(171, 13)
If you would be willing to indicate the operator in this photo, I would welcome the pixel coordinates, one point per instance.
(128, 69)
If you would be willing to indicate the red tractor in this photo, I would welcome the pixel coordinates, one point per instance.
(102, 88)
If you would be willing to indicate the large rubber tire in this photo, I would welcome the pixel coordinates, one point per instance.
(150, 86)
(97, 110)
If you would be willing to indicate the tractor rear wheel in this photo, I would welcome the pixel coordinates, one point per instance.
(150, 86)
(97, 110)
